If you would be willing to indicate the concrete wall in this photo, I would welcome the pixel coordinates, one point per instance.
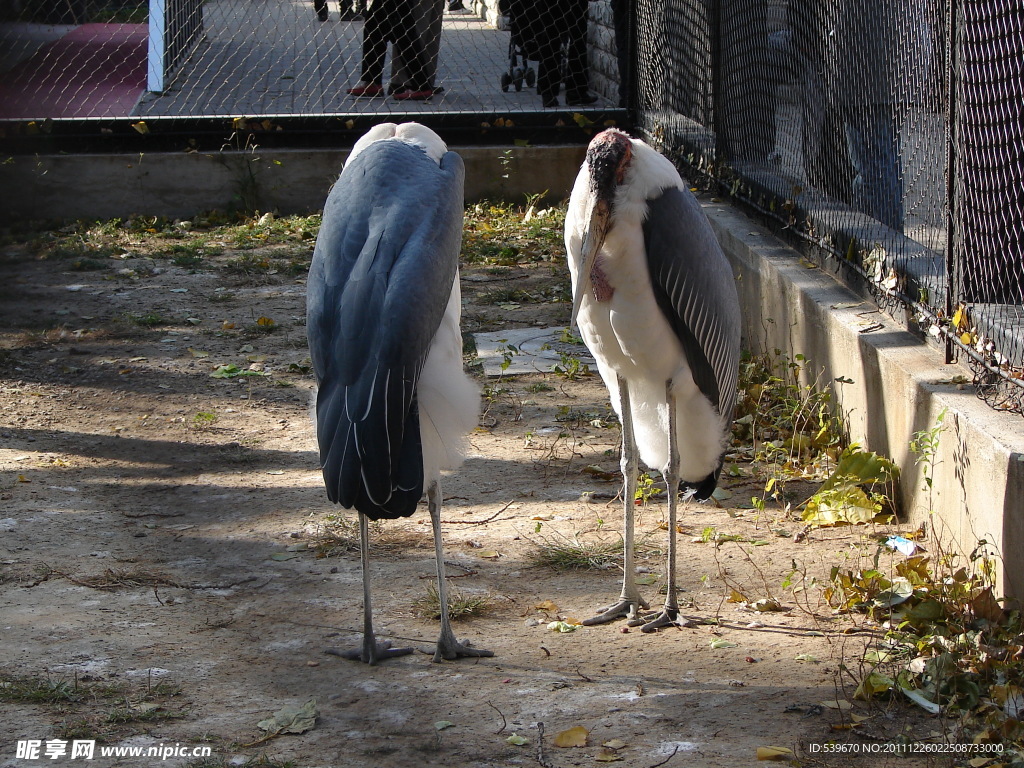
(899, 384)
(899, 387)
(285, 181)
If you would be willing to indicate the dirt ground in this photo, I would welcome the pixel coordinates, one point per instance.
(162, 533)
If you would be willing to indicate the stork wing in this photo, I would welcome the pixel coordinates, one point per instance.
(695, 289)
(383, 267)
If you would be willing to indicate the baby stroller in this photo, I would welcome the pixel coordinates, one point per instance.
(522, 45)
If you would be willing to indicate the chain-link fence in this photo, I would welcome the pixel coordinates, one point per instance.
(887, 133)
(264, 58)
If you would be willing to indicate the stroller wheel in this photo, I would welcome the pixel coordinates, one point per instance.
(531, 78)
(519, 85)
(506, 81)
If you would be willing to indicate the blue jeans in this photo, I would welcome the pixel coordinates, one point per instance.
(875, 153)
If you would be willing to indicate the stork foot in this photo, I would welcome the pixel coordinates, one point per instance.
(624, 609)
(667, 617)
(371, 652)
(449, 649)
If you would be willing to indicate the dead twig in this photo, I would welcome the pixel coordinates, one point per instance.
(656, 765)
(479, 522)
(540, 748)
(504, 722)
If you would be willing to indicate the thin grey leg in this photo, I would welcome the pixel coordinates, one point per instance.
(670, 613)
(371, 651)
(629, 600)
(448, 647)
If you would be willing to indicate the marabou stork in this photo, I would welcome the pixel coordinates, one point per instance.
(393, 403)
(655, 301)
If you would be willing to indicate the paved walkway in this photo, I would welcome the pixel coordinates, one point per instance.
(257, 58)
(267, 57)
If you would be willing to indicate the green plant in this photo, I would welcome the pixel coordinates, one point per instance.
(925, 447)
(460, 604)
(202, 421)
(791, 427)
(571, 368)
(560, 553)
(645, 489)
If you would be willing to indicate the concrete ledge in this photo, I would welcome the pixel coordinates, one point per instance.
(180, 185)
(899, 387)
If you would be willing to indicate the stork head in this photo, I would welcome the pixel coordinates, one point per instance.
(608, 158)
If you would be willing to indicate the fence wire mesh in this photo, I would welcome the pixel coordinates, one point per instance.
(889, 133)
(261, 58)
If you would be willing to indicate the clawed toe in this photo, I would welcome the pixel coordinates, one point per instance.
(370, 653)
(624, 609)
(455, 649)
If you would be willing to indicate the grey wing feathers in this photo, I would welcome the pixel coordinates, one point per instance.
(383, 268)
(695, 289)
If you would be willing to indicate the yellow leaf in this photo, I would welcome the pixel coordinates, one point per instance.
(959, 320)
(23, 479)
(265, 322)
(607, 756)
(574, 737)
(736, 597)
(966, 338)
(614, 744)
(227, 326)
(141, 127)
(774, 753)
(546, 605)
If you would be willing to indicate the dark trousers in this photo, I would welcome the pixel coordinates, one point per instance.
(393, 21)
(555, 25)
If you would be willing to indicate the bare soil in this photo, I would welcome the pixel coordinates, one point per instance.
(162, 526)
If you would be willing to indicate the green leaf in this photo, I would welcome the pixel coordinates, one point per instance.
(841, 499)
(232, 371)
(291, 719)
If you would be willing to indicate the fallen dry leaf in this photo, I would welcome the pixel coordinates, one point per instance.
(574, 737)
(774, 753)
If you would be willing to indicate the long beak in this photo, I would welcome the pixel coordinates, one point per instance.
(598, 216)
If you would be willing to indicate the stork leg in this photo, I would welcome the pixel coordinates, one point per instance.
(629, 601)
(670, 613)
(371, 651)
(448, 647)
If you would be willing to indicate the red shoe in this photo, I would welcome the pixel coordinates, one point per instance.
(367, 90)
(414, 95)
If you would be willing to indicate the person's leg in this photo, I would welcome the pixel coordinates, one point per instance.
(375, 48)
(874, 149)
(577, 78)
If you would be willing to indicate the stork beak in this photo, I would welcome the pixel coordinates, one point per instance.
(598, 216)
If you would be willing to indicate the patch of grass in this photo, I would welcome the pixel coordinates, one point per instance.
(149, 319)
(497, 234)
(460, 604)
(35, 689)
(561, 553)
(339, 534)
(261, 761)
(201, 421)
(507, 296)
(88, 264)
